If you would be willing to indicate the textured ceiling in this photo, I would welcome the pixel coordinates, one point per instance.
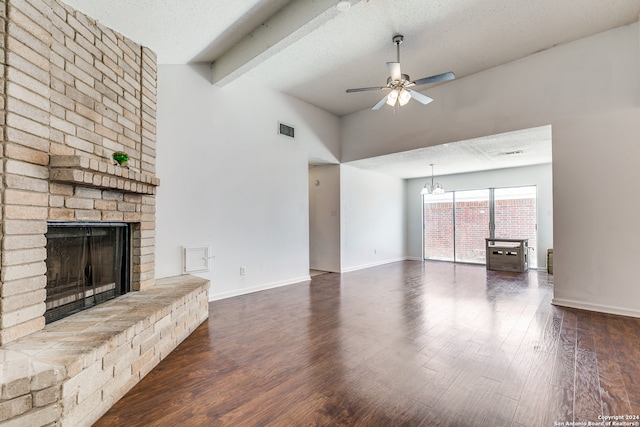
(512, 149)
(321, 58)
(180, 31)
(309, 50)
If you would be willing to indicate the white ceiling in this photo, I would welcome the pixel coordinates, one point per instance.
(318, 60)
(309, 50)
(507, 150)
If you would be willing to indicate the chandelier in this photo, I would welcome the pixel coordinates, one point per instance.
(433, 188)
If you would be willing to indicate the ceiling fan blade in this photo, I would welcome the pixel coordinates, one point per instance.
(380, 103)
(394, 70)
(435, 79)
(419, 97)
(363, 89)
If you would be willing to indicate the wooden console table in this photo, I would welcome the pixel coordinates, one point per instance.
(507, 254)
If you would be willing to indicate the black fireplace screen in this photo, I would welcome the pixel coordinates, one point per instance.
(87, 264)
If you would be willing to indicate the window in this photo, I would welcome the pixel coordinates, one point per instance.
(456, 223)
(515, 216)
(438, 227)
(472, 219)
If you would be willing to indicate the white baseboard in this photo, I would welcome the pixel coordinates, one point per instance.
(595, 307)
(258, 288)
(374, 264)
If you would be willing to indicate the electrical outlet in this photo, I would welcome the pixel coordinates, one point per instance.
(243, 271)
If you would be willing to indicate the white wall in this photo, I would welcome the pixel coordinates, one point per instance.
(588, 76)
(539, 175)
(596, 225)
(229, 180)
(589, 92)
(373, 218)
(324, 218)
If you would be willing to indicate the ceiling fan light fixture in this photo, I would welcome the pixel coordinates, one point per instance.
(404, 97)
(392, 98)
(399, 82)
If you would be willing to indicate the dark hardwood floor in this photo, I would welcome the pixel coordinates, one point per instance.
(403, 344)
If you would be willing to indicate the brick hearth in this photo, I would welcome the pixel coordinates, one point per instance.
(75, 369)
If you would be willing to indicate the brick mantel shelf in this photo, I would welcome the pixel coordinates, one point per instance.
(81, 170)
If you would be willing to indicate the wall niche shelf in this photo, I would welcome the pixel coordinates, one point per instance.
(83, 171)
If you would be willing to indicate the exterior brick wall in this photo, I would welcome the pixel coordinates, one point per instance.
(514, 219)
(472, 227)
(438, 230)
(71, 89)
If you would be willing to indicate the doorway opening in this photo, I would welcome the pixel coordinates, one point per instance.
(456, 223)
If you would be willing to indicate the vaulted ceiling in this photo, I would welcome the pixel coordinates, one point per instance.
(312, 51)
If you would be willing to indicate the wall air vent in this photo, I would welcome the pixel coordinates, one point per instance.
(286, 130)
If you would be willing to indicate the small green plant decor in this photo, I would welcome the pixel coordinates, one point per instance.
(121, 158)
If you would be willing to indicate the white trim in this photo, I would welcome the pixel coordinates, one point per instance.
(374, 264)
(263, 287)
(595, 307)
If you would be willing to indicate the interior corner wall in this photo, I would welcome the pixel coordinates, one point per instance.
(324, 218)
(596, 225)
(373, 219)
(589, 92)
(229, 180)
(538, 175)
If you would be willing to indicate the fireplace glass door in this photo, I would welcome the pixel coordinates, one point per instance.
(87, 263)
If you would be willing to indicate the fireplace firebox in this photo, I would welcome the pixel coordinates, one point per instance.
(87, 264)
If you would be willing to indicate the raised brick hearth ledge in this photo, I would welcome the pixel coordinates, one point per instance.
(75, 369)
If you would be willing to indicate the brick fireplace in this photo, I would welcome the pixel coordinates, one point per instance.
(73, 92)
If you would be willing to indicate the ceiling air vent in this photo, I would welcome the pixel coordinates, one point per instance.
(286, 130)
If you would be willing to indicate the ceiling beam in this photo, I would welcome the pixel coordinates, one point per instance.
(294, 21)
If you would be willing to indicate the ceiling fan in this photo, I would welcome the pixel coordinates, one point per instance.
(399, 83)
